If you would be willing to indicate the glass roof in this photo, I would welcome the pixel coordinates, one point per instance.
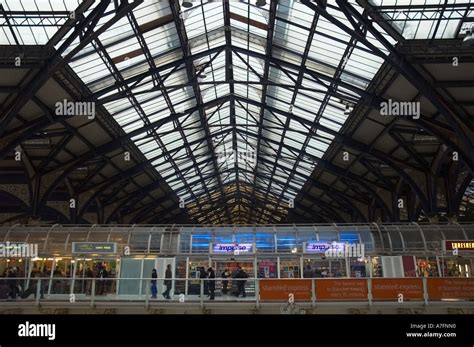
(238, 103)
(426, 19)
(33, 29)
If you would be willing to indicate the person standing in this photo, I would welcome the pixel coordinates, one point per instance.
(103, 275)
(211, 282)
(308, 272)
(12, 282)
(225, 274)
(167, 282)
(88, 275)
(154, 290)
(203, 276)
(241, 279)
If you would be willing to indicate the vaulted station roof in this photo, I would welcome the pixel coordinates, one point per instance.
(243, 109)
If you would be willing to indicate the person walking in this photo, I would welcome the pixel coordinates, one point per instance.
(154, 290)
(167, 282)
(211, 282)
(225, 274)
(241, 279)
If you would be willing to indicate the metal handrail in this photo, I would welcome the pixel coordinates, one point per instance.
(93, 297)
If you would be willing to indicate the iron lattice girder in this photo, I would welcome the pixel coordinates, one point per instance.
(137, 169)
(233, 99)
(125, 139)
(130, 96)
(402, 66)
(191, 73)
(73, 131)
(339, 195)
(229, 76)
(102, 150)
(57, 61)
(128, 209)
(268, 54)
(324, 102)
(366, 97)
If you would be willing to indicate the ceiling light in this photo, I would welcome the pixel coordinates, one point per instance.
(261, 3)
(187, 4)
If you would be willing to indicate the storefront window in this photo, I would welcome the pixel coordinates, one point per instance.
(359, 268)
(267, 268)
(289, 268)
(426, 267)
(376, 267)
(324, 268)
(456, 267)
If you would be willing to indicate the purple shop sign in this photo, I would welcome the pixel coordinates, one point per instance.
(316, 247)
(225, 248)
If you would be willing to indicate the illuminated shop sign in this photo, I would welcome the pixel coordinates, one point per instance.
(312, 247)
(337, 249)
(94, 247)
(233, 248)
(461, 245)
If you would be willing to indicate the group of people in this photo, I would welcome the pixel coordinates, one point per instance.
(10, 286)
(167, 283)
(13, 285)
(210, 285)
(209, 280)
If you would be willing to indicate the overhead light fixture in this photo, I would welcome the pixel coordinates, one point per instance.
(261, 3)
(469, 39)
(187, 4)
(202, 75)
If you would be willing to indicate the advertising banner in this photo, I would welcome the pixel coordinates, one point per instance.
(391, 288)
(281, 289)
(341, 289)
(451, 288)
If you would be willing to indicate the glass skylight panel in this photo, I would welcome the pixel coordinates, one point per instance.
(297, 13)
(290, 36)
(420, 23)
(326, 51)
(162, 39)
(204, 25)
(286, 56)
(34, 30)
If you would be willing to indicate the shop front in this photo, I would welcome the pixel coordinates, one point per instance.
(457, 258)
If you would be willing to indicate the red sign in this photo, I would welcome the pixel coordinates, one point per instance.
(462, 245)
(391, 288)
(281, 289)
(341, 289)
(451, 288)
